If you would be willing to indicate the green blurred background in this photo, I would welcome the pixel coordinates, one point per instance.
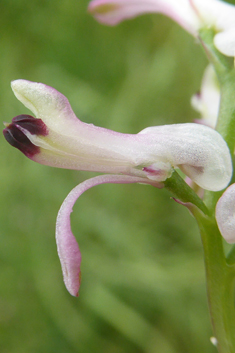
(143, 285)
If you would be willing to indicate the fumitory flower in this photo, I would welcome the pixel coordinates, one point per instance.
(192, 15)
(56, 137)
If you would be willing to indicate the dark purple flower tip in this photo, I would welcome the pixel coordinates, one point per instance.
(17, 138)
(31, 124)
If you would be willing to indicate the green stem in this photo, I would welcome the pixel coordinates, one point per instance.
(182, 191)
(231, 257)
(220, 273)
(220, 284)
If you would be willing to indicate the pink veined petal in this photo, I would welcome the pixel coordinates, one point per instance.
(67, 246)
(225, 214)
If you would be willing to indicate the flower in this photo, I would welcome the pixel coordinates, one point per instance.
(192, 15)
(225, 214)
(56, 137)
(207, 101)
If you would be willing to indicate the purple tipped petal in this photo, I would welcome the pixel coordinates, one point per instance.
(33, 125)
(16, 138)
(225, 214)
(68, 249)
(16, 133)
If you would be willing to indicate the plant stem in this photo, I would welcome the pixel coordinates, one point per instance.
(179, 188)
(220, 284)
(220, 273)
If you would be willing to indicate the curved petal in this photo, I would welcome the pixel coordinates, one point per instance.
(199, 151)
(67, 246)
(111, 12)
(225, 214)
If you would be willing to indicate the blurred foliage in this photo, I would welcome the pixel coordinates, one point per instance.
(143, 286)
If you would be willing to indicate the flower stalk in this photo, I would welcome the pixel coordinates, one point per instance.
(182, 191)
(220, 284)
(220, 270)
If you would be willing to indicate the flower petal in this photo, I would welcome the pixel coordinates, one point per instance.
(68, 249)
(208, 100)
(199, 151)
(225, 214)
(111, 12)
(225, 41)
(49, 105)
(71, 143)
(215, 13)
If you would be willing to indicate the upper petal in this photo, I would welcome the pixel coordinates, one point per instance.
(71, 143)
(45, 102)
